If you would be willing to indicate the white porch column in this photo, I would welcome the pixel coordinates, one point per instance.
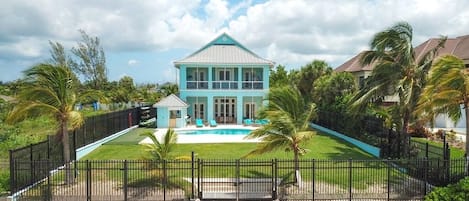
(210, 108)
(209, 79)
(239, 109)
(240, 77)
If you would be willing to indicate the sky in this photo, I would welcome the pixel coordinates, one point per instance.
(143, 38)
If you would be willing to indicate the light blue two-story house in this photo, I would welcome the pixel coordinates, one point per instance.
(223, 81)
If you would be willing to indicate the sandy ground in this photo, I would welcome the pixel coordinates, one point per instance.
(205, 138)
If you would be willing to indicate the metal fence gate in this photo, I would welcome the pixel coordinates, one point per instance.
(237, 179)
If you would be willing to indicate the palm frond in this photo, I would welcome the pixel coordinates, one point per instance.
(289, 117)
(161, 150)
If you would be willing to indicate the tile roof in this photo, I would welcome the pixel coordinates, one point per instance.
(171, 101)
(224, 54)
(354, 65)
(458, 46)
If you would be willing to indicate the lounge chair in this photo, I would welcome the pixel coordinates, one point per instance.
(213, 123)
(257, 122)
(199, 123)
(247, 122)
(260, 122)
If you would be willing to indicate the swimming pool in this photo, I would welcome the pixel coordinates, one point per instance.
(224, 131)
(231, 134)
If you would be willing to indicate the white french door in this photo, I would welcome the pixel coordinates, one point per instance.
(198, 111)
(250, 110)
(225, 110)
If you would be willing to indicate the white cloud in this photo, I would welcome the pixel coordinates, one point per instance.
(287, 32)
(299, 31)
(132, 62)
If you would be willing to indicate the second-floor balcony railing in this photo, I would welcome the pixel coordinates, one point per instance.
(197, 85)
(253, 85)
(224, 85)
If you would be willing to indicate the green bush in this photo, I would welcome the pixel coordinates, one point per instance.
(4, 182)
(452, 192)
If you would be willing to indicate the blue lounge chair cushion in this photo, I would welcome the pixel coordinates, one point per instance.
(213, 123)
(199, 123)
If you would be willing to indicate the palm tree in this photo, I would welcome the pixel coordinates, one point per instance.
(308, 75)
(397, 71)
(169, 88)
(289, 127)
(446, 91)
(161, 150)
(49, 90)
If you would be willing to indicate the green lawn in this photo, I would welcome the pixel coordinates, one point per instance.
(321, 146)
(130, 138)
(455, 153)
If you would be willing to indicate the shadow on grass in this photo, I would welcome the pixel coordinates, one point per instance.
(132, 137)
(346, 151)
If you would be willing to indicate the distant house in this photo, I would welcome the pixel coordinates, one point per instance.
(458, 46)
(354, 66)
(223, 81)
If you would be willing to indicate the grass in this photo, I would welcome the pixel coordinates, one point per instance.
(331, 154)
(131, 138)
(455, 153)
(321, 147)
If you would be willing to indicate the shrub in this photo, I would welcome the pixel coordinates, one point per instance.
(452, 192)
(4, 182)
(419, 131)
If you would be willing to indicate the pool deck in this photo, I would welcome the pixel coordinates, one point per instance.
(205, 138)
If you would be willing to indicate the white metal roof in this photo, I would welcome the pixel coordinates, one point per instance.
(171, 101)
(224, 54)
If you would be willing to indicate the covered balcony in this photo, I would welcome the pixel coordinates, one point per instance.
(225, 78)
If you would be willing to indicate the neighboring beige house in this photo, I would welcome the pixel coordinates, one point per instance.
(458, 46)
(358, 71)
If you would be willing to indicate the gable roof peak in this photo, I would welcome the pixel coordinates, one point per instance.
(171, 101)
(223, 50)
(223, 39)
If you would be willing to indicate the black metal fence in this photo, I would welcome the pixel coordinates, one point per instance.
(94, 128)
(424, 149)
(371, 130)
(243, 179)
(364, 128)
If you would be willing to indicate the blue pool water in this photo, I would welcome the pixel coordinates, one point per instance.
(215, 131)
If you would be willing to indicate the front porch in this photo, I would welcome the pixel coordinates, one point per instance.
(223, 109)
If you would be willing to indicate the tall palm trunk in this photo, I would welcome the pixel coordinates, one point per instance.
(466, 109)
(296, 162)
(66, 152)
(404, 136)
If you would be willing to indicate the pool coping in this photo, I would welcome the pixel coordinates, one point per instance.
(205, 138)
